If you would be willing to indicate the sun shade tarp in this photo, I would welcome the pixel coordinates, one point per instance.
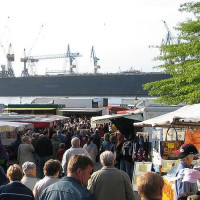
(186, 115)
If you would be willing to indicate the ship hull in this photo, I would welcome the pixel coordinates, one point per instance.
(79, 85)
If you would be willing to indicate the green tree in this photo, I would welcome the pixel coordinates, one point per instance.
(182, 62)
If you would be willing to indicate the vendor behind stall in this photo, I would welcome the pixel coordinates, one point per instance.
(186, 155)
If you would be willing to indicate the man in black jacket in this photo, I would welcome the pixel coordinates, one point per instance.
(44, 151)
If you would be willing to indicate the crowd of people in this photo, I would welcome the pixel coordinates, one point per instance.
(41, 145)
(59, 164)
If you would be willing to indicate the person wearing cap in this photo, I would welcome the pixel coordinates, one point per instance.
(186, 155)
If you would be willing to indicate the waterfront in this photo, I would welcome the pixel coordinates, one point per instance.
(28, 100)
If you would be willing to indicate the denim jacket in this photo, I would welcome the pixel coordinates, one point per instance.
(67, 189)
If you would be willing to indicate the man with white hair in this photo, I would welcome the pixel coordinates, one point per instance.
(109, 182)
(75, 149)
(29, 179)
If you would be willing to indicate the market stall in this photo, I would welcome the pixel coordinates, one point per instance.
(40, 122)
(8, 130)
(123, 122)
(57, 118)
(172, 130)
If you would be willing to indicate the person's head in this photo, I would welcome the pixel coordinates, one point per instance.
(75, 142)
(187, 152)
(83, 133)
(188, 159)
(106, 136)
(52, 168)
(35, 135)
(14, 173)
(18, 136)
(55, 137)
(58, 132)
(29, 168)
(150, 185)
(46, 133)
(80, 167)
(62, 145)
(96, 131)
(26, 139)
(107, 158)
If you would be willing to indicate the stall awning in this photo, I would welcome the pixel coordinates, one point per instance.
(82, 110)
(12, 126)
(29, 109)
(57, 117)
(14, 117)
(123, 122)
(107, 118)
(183, 117)
(40, 122)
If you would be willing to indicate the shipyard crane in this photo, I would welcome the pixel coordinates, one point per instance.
(169, 39)
(8, 72)
(33, 59)
(24, 60)
(95, 60)
(10, 58)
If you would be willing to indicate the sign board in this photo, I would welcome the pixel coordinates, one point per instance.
(139, 169)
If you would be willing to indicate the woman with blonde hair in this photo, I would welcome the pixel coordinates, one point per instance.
(15, 190)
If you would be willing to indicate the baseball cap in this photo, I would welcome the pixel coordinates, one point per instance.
(185, 150)
(191, 175)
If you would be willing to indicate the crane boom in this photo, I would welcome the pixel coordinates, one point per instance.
(33, 59)
(51, 56)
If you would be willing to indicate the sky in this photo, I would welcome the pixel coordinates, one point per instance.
(120, 31)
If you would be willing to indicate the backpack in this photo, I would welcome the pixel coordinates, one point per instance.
(127, 149)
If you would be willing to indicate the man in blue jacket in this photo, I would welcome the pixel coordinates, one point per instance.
(186, 154)
(72, 186)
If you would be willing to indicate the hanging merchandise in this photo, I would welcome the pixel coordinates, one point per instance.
(141, 147)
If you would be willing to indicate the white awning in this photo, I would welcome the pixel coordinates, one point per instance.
(187, 115)
(82, 110)
(106, 118)
(12, 126)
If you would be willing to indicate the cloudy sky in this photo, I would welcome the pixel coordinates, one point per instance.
(121, 32)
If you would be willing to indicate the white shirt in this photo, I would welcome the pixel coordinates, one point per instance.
(42, 184)
(69, 153)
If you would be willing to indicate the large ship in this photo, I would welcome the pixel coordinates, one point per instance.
(119, 84)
